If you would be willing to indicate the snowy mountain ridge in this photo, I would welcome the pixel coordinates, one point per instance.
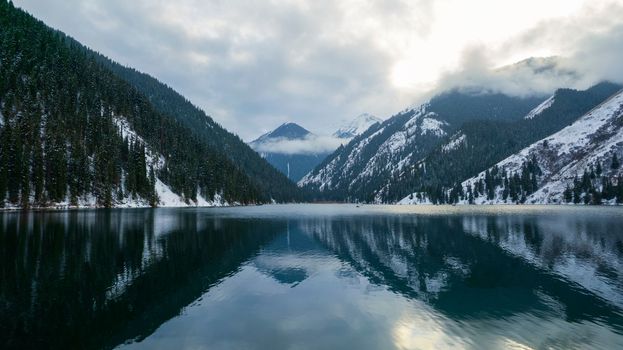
(383, 149)
(578, 163)
(356, 126)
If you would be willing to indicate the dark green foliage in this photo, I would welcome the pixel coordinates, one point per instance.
(271, 183)
(457, 107)
(513, 187)
(594, 189)
(60, 135)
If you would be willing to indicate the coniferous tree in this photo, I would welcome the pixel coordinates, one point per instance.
(615, 162)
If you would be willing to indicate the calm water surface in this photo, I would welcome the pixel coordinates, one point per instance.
(313, 277)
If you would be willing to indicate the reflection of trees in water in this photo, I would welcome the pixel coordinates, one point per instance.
(92, 279)
(468, 266)
(584, 252)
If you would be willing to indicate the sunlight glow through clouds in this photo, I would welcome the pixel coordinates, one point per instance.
(459, 24)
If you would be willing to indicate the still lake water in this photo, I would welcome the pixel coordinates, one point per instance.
(313, 277)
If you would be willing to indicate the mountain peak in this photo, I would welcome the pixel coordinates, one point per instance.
(356, 126)
(289, 131)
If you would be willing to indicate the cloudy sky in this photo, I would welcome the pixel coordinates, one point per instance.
(254, 64)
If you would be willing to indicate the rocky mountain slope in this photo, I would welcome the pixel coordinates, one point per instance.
(478, 145)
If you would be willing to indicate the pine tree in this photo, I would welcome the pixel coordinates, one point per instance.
(38, 175)
(568, 194)
(615, 162)
(598, 169)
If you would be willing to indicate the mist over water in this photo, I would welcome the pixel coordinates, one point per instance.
(313, 277)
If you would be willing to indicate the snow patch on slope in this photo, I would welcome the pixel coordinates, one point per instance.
(166, 196)
(357, 126)
(432, 126)
(540, 108)
(454, 143)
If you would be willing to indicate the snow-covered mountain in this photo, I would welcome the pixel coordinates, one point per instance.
(356, 126)
(361, 169)
(292, 149)
(295, 151)
(578, 164)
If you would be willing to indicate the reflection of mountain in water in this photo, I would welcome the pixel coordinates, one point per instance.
(94, 279)
(475, 266)
(290, 257)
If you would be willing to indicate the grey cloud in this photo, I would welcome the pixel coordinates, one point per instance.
(263, 64)
(255, 64)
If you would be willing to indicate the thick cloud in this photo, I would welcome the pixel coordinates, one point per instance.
(253, 65)
(588, 47)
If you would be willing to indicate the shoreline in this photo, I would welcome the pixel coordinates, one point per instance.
(79, 208)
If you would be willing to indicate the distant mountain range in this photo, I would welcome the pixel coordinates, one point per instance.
(295, 151)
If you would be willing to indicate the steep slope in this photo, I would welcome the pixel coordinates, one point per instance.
(361, 169)
(167, 101)
(74, 133)
(478, 145)
(356, 126)
(578, 164)
(284, 148)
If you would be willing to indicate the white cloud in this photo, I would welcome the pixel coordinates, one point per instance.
(312, 144)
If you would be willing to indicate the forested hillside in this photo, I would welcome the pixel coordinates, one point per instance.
(74, 132)
(363, 169)
(578, 164)
(167, 101)
(479, 144)
(431, 149)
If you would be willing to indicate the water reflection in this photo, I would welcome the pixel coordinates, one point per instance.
(269, 279)
(96, 279)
